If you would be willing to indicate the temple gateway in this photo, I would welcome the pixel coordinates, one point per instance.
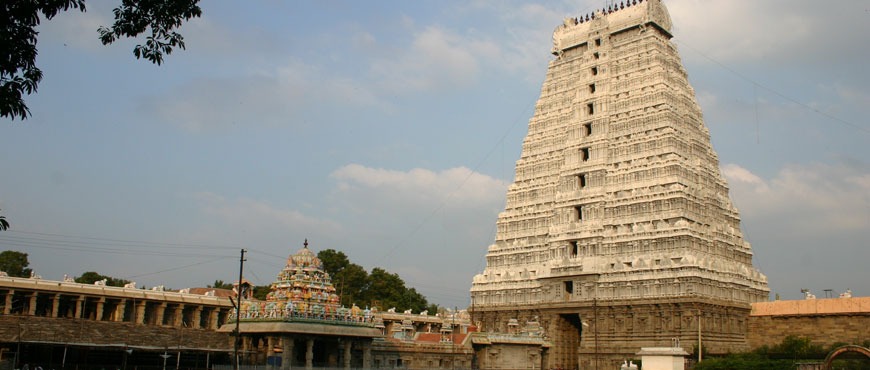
(618, 231)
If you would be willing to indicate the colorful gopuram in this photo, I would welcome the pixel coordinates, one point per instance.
(303, 290)
(301, 322)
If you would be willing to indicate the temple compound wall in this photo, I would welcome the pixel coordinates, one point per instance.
(824, 321)
(52, 321)
(618, 231)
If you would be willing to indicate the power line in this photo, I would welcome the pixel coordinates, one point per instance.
(179, 267)
(82, 247)
(775, 92)
(134, 242)
(443, 203)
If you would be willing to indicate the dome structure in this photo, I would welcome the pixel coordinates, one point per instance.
(304, 283)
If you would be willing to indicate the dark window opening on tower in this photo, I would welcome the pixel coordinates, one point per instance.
(581, 180)
(584, 154)
(569, 287)
(587, 129)
(573, 248)
(590, 108)
(598, 42)
(592, 88)
(578, 213)
(594, 71)
(595, 54)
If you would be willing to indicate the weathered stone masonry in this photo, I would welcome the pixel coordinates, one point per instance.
(618, 231)
(45, 311)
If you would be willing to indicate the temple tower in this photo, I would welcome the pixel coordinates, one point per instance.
(618, 231)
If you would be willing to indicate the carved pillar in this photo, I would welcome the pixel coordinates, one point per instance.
(80, 305)
(101, 303)
(179, 316)
(213, 316)
(287, 354)
(119, 310)
(159, 311)
(7, 307)
(309, 354)
(55, 305)
(347, 348)
(31, 307)
(367, 355)
(140, 312)
(197, 317)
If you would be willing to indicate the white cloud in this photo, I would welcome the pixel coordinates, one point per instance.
(437, 58)
(768, 31)
(814, 199)
(421, 186)
(739, 175)
(271, 96)
(256, 222)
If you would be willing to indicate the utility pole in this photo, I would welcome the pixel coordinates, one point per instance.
(453, 339)
(238, 313)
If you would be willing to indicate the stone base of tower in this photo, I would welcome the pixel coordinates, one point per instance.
(602, 334)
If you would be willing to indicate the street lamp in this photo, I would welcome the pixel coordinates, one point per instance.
(165, 356)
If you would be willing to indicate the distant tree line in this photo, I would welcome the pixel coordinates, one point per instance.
(378, 288)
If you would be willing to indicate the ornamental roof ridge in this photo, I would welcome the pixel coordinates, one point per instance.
(628, 13)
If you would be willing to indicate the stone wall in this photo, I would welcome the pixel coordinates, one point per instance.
(15, 328)
(824, 321)
(823, 329)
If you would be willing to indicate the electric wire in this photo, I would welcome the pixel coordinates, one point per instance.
(81, 247)
(775, 92)
(472, 172)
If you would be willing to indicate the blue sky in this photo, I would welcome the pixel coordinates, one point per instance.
(389, 131)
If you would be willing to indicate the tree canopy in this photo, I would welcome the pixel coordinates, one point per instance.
(91, 277)
(379, 288)
(19, 74)
(15, 264)
(4, 225)
(220, 284)
(784, 355)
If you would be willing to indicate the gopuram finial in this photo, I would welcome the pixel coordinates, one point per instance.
(306, 243)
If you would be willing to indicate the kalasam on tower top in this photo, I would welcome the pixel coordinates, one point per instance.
(618, 230)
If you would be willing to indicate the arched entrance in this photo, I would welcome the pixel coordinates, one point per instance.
(850, 348)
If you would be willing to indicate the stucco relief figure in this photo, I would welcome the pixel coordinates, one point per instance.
(559, 32)
(130, 285)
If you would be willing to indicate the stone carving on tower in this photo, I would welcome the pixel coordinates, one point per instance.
(618, 230)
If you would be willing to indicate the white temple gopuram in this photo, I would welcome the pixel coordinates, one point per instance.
(618, 230)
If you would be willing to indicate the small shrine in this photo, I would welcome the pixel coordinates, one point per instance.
(301, 322)
(303, 290)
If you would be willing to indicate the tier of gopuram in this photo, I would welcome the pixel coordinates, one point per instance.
(618, 231)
